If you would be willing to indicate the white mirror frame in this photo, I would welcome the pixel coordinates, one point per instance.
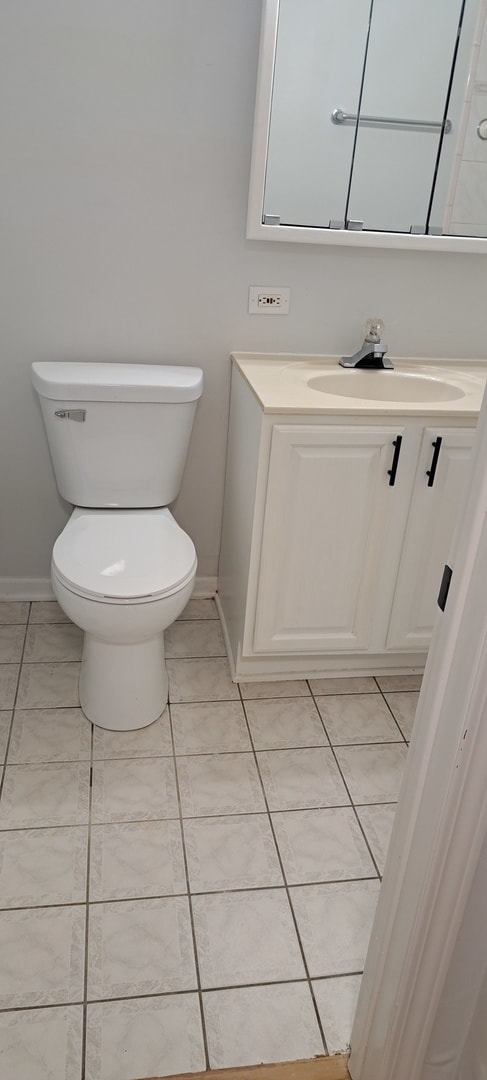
(256, 230)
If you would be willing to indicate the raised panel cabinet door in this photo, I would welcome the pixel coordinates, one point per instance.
(441, 479)
(330, 496)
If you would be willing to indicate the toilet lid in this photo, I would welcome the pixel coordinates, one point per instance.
(124, 555)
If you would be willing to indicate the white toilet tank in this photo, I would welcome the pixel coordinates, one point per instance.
(118, 433)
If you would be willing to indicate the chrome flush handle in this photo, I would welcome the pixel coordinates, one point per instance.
(71, 414)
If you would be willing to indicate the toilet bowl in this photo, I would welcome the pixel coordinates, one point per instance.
(123, 577)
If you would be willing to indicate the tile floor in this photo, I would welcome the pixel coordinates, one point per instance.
(196, 894)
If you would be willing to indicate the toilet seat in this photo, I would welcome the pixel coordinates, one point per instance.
(123, 556)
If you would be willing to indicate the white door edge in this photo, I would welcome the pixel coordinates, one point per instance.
(441, 822)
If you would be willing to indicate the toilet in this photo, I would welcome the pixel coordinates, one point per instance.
(122, 569)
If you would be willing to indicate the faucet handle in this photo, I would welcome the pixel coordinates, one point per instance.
(374, 328)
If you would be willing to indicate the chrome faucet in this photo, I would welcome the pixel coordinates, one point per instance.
(373, 352)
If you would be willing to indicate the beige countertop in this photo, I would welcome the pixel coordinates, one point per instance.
(283, 383)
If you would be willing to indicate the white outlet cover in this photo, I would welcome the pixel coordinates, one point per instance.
(269, 300)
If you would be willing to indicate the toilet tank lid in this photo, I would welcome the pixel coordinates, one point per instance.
(65, 381)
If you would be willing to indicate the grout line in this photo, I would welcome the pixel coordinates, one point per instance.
(392, 711)
(38, 1008)
(14, 704)
(359, 823)
(192, 817)
(288, 895)
(174, 993)
(84, 1042)
(186, 893)
(153, 756)
(190, 902)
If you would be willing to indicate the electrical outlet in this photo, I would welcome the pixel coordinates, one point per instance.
(267, 300)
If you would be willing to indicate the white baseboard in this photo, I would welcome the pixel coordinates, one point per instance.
(40, 588)
(205, 588)
(26, 589)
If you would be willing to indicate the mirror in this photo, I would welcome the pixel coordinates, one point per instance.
(371, 124)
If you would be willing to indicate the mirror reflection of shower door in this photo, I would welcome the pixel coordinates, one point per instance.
(319, 62)
(407, 76)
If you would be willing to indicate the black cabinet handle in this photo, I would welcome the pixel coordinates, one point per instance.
(395, 461)
(431, 472)
(444, 587)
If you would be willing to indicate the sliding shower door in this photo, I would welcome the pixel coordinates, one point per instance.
(403, 119)
(319, 62)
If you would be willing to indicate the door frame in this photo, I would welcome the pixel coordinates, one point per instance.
(441, 820)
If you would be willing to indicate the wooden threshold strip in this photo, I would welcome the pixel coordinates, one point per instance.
(321, 1068)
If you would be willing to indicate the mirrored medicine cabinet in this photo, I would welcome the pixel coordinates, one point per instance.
(371, 124)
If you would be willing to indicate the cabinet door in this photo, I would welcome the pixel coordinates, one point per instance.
(328, 504)
(435, 504)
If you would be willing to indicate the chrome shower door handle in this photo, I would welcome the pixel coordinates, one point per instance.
(339, 116)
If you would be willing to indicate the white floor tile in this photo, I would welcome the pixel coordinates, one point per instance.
(43, 866)
(280, 1025)
(399, 682)
(141, 941)
(322, 845)
(45, 795)
(49, 735)
(42, 1044)
(134, 789)
(334, 924)
(377, 822)
(337, 1001)
(50, 642)
(5, 722)
(155, 1036)
(404, 705)
(140, 947)
(42, 953)
(199, 608)
(285, 722)
(300, 779)
(201, 680)
(45, 686)
(359, 718)
(138, 859)
(194, 638)
(47, 611)
(219, 784)
(214, 728)
(231, 853)
(11, 644)
(373, 773)
(246, 938)
(9, 674)
(151, 741)
(14, 611)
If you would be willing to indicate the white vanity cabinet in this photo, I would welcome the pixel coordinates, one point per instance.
(336, 530)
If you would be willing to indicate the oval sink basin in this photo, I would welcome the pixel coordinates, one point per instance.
(386, 386)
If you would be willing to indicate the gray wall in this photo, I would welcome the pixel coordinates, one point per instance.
(126, 131)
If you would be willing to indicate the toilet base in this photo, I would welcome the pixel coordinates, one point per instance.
(123, 687)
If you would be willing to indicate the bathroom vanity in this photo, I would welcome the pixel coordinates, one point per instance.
(341, 498)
